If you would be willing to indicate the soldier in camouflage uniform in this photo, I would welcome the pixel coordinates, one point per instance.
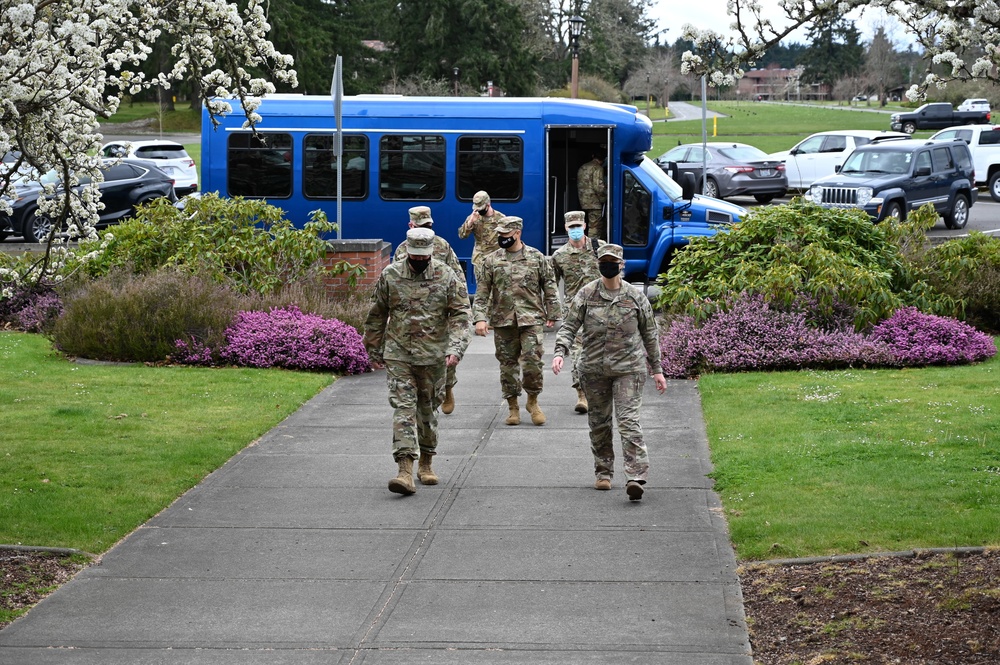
(482, 225)
(592, 189)
(619, 342)
(417, 325)
(575, 263)
(518, 288)
(420, 217)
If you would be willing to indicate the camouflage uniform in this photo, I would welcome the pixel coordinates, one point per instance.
(619, 340)
(483, 229)
(576, 267)
(416, 320)
(520, 292)
(593, 193)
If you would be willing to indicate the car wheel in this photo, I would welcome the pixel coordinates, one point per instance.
(895, 211)
(909, 127)
(37, 227)
(711, 188)
(995, 186)
(764, 198)
(958, 217)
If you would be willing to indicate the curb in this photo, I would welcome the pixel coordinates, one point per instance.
(841, 558)
(43, 550)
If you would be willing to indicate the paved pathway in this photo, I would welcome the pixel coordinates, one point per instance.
(295, 553)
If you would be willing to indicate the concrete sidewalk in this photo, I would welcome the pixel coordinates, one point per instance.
(294, 552)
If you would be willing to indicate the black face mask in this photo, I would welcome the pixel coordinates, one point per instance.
(609, 269)
(507, 242)
(418, 265)
(482, 213)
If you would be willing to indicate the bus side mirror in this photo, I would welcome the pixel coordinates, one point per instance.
(687, 186)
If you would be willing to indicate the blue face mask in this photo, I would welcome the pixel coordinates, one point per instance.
(576, 233)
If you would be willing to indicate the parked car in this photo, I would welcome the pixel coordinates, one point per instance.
(974, 105)
(819, 155)
(892, 178)
(170, 156)
(732, 169)
(984, 143)
(936, 116)
(126, 184)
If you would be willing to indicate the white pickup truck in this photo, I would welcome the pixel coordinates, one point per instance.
(984, 143)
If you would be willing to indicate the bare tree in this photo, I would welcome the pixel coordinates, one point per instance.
(882, 66)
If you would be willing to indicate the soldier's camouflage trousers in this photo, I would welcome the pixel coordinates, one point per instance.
(576, 355)
(450, 378)
(623, 396)
(519, 350)
(415, 393)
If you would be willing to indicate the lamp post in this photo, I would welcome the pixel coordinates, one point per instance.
(454, 78)
(575, 29)
(647, 94)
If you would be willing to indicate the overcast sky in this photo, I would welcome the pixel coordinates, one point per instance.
(711, 14)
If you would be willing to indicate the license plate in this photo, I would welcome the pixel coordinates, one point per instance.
(767, 173)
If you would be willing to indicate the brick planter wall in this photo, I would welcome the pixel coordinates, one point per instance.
(373, 254)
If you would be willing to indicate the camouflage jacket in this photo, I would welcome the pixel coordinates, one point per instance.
(575, 266)
(442, 251)
(619, 332)
(418, 318)
(518, 289)
(590, 185)
(484, 229)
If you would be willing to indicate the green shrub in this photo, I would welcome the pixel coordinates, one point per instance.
(968, 269)
(247, 243)
(833, 258)
(138, 318)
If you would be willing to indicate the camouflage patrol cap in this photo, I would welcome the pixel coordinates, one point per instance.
(421, 216)
(420, 242)
(575, 218)
(480, 199)
(510, 224)
(614, 251)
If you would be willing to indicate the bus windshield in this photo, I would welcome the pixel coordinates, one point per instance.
(663, 181)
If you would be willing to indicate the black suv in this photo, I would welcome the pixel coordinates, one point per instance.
(127, 183)
(890, 179)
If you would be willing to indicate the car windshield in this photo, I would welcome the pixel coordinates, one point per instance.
(877, 161)
(743, 154)
(663, 181)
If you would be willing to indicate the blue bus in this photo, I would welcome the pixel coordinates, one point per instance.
(400, 152)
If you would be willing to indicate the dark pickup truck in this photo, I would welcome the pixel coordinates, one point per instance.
(936, 116)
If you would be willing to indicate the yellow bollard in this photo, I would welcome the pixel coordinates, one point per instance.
(715, 126)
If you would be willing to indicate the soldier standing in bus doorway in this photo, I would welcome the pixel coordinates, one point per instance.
(518, 288)
(420, 217)
(592, 189)
(482, 225)
(620, 345)
(417, 325)
(575, 263)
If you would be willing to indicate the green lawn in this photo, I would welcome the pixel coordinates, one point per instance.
(815, 463)
(90, 452)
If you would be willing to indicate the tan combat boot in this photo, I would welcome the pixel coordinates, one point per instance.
(403, 482)
(424, 471)
(515, 412)
(448, 405)
(581, 401)
(537, 417)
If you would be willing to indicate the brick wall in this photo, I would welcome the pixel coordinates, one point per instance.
(374, 255)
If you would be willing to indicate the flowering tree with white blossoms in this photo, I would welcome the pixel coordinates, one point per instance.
(66, 64)
(962, 34)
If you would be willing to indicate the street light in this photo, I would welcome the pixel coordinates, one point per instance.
(575, 29)
(454, 75)
(647, 94)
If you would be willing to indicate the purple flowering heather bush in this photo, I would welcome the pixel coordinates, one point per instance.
(915, 338)
(748, 334)
(286, 337)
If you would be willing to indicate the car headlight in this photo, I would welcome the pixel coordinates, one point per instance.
(864, 195)
(815, 194)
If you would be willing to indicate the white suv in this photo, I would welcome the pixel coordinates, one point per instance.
(169, 156)
(984, 143)
(974, 105)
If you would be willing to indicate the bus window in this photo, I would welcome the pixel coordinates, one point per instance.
(320, 167)
(411, 167)
(635, 213)
(492, 163)
(260, 166)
